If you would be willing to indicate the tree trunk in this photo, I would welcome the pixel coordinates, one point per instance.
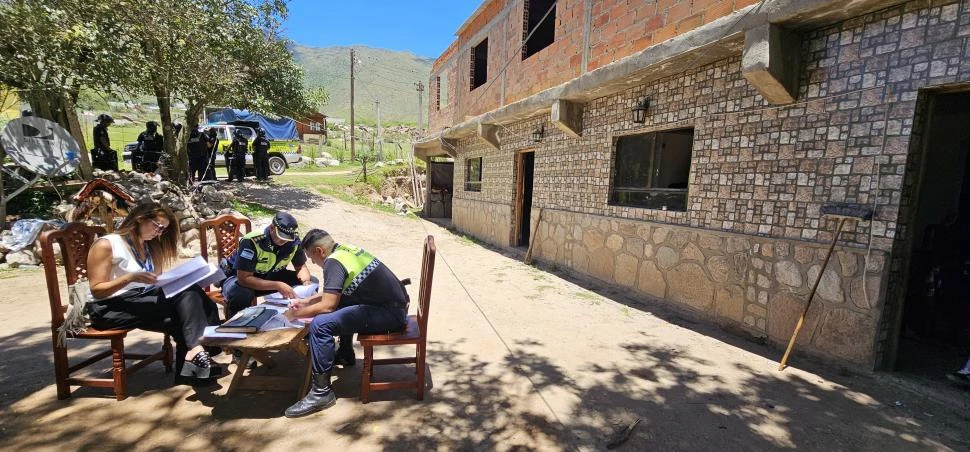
(3, 196)
(192, 112)
(177, 160)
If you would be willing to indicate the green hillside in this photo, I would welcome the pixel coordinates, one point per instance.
(381, 74)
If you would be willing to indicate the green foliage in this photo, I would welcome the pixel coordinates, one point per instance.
(33, 204)
(252, 210)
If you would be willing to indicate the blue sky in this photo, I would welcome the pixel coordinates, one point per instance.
(425, 27)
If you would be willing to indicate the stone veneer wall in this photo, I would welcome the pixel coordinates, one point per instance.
(484, 220)
(759, 174)
(759, 284)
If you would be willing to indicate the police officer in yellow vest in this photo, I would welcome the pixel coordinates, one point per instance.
(258, 266)
(360, 295)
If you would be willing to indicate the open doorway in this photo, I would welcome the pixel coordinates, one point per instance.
(934, 337)
(525, 169)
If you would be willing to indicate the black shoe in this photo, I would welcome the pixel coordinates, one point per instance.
(201, 366)
(345, 357)
(319, 398)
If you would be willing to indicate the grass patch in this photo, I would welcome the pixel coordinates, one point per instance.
(252, 210)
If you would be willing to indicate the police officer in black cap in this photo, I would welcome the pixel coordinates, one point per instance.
(149, 149)
(261, 155)
(102, 156)
(237, 156)
(259, 266)
(196, 150)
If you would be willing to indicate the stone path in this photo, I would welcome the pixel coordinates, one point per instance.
(519, 359)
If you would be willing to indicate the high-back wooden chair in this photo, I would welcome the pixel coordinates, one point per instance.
(416, 332)
(228, 229)
(75, 240)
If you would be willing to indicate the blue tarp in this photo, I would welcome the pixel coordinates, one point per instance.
(276, 129)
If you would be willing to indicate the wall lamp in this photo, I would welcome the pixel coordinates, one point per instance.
(537, 134)
(640, 110)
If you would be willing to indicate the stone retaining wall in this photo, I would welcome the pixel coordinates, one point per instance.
(759, 284)
(485, 220)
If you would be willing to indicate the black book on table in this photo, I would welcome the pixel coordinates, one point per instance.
(248, 320)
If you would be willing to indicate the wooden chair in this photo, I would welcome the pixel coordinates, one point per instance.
(228, 229)
(416, 332)
(75, 240)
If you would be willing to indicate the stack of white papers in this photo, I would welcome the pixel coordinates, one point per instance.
(303, 291)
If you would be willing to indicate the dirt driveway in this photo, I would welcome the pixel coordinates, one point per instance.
(518, 359)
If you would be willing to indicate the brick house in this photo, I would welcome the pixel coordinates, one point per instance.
(753, 115)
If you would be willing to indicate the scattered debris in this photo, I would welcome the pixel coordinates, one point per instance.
(621, 436)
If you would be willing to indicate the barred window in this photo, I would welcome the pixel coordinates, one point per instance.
(473, 174)
(652, 170)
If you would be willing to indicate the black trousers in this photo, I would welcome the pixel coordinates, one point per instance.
(184, 316)
(196, 165)
(239, 297)
(261, 162)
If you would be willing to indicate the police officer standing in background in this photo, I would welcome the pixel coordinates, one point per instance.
(196, 150)
(150, 148)
(261, 155)
(258, 266)
(237, 156)
(103, 157)
(211, 150)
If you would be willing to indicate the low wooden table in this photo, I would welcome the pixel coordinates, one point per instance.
(258, 346)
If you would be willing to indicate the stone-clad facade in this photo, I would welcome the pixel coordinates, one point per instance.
(750, 243)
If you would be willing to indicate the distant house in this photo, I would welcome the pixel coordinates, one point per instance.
(315, 124)
(683, 149)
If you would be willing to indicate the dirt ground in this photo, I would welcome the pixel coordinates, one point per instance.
(518, 359)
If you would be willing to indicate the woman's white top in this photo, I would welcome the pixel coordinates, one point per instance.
(122, 263)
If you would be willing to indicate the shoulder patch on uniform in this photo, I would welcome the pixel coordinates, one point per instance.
(247, 254)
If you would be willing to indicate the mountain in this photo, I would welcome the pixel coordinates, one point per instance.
(386, 75)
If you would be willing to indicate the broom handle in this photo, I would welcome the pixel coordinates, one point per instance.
(818, 279)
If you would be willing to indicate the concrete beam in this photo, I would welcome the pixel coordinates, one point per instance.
(489, 134)
(771, 62)
(435, 145)
(568, 117)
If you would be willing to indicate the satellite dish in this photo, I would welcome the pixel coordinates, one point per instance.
(41, 146)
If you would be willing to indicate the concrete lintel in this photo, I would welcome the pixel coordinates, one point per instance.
(489, 134)
(568, 117)
(770, 62)
(435, 145)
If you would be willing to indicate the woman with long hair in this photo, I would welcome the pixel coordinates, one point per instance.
(122, 268)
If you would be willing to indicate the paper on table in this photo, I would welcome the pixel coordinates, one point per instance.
(210, 331)
(302, 291)
(279, 322)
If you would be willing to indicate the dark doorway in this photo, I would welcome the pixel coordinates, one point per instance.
(934, 337)
(523, 214)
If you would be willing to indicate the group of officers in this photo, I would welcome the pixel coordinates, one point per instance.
(203, 147)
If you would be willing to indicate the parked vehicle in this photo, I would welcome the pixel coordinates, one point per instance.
(281, 152)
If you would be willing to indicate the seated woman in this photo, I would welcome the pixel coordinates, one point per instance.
(121, 270)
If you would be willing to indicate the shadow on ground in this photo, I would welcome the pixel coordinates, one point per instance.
(276, 196)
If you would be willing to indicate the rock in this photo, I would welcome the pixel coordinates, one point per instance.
(659, 235)
(849, 263)
(22, 257)
(633, 245)
(857, 295)
(592, 239)
(720, 269)
(788, 273)
(692, 253)
(710, 242)
(626, 270)
(830, 288)
(5, 266)
(688, 284)
(847, 334)
(614, 242)
(651, 280)
(784, 309)
(189, 223)
(666, 257)
(601, 264)
(804, 254)
(680, 238)
(190, 235)
(729, 303)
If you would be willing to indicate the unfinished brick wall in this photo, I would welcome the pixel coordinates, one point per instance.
(615, 29)
(759, 173)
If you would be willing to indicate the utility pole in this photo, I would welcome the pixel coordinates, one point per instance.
(420, 87)
(353, 132)
(380, 131)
